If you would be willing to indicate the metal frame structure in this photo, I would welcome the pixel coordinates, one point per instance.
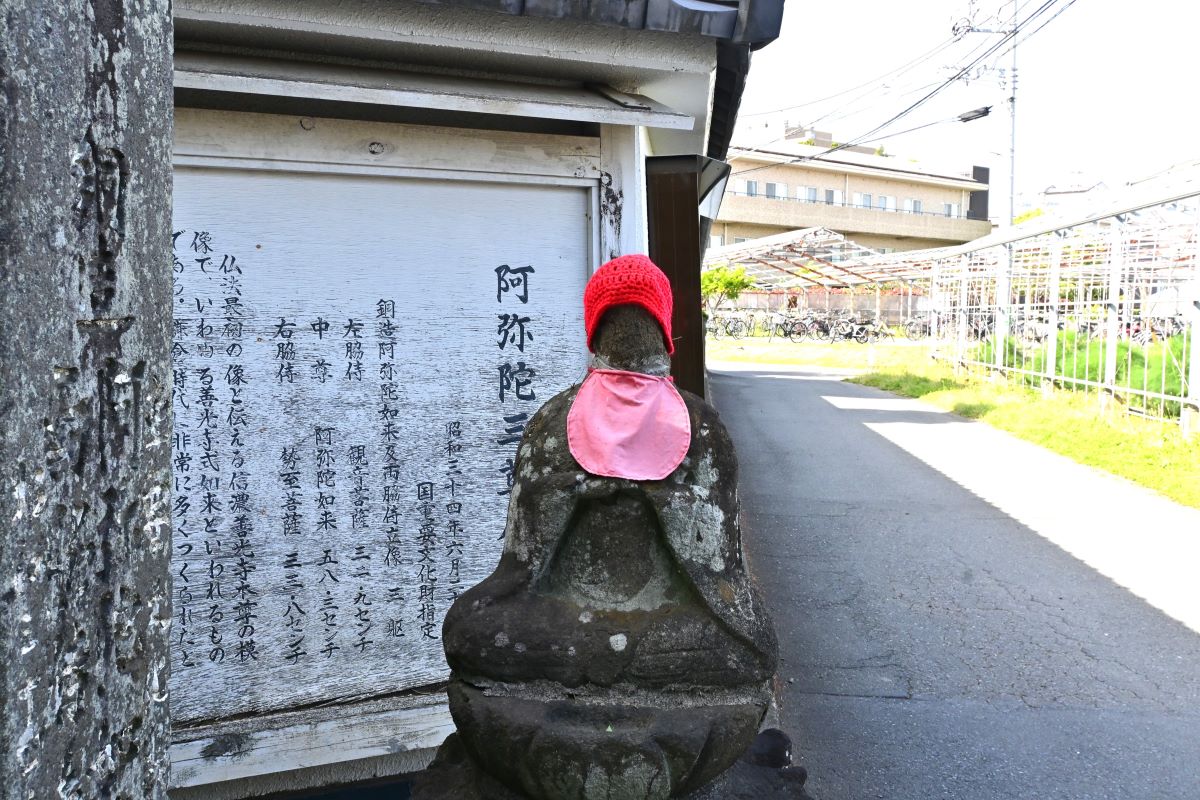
(1106, 302)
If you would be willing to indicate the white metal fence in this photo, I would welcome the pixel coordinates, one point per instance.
(1110, 306)
(1106, 304)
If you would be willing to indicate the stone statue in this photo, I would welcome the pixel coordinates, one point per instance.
(619, 650)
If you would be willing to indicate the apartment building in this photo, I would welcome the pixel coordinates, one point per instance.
(882, 202)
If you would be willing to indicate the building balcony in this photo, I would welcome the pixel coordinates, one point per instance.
(849, 219)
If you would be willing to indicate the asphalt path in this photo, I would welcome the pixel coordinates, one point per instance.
(953, 632)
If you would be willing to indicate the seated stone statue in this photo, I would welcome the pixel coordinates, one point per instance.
(619, 650)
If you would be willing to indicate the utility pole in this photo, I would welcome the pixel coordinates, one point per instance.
(966, 26)
(1012, 138)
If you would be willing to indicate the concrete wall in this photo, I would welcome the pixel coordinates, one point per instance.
(85, 311)
(931, 190)
(793, 215)
(894, 230)
(744, 230)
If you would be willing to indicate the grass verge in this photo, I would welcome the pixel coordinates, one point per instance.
(1150, 453)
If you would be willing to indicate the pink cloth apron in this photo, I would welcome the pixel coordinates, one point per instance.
(628, 425)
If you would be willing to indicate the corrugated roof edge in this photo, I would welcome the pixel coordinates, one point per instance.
(740, 26)
(749, 22)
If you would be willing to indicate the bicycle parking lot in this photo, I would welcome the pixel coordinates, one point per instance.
(1106, 305)
(799, 326)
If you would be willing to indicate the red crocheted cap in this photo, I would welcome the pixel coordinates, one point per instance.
(632, 279)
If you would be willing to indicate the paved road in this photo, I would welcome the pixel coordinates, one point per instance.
(936, 644)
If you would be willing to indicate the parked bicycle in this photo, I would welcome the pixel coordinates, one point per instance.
(918, 327)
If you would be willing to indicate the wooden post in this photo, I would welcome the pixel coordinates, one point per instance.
(85, 377)
(672, 206)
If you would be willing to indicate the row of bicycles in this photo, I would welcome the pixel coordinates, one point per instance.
(1036, 329)
(979, 325)
(796, 326)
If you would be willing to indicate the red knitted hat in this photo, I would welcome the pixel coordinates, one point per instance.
(626, 280)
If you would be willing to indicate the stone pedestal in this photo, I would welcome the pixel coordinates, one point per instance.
(453, 776)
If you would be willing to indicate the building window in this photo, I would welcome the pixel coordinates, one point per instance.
(951, 209)
(885, 202)
(862, 200)
(912, 206)
(777, 191)
(716, 240)
(808, 194)
(739, 239)
(752, 188)
(834, 197)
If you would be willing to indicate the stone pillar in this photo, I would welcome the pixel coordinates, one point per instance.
(85, 314)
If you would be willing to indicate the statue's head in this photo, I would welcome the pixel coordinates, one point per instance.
(627, 314)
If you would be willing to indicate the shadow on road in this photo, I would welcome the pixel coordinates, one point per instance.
(933, 645)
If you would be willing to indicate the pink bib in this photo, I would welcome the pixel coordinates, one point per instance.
(628, 425)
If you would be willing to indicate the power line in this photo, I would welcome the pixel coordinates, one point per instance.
(987, 53)
(1008, 37)
(958, 118)
(855, 107)
(759, 146)
(851, 107)
(891, 73)
(906, 67)
(958, 37)
(1039, 27)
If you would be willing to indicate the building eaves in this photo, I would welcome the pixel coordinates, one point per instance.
(740, 26)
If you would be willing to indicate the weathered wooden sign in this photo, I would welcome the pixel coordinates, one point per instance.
(355, 359)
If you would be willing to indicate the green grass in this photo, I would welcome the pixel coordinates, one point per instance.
(1150, 453)
(1157, 368)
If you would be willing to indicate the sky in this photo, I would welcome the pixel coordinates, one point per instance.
(1105, 91)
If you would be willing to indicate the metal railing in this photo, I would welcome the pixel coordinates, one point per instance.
(1109, 307)
(844, 204)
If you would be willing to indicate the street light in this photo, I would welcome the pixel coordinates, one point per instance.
(973, 114)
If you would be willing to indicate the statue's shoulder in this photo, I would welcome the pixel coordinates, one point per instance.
(545, 438)
(553, 413)
(706, 421)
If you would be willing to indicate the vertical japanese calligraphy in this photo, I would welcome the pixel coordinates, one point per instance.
(515, 380)
(346, 417)
(427, 574)
(453, 488)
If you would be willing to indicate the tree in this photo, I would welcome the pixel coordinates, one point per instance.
(723, 283)
(1033, 213)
